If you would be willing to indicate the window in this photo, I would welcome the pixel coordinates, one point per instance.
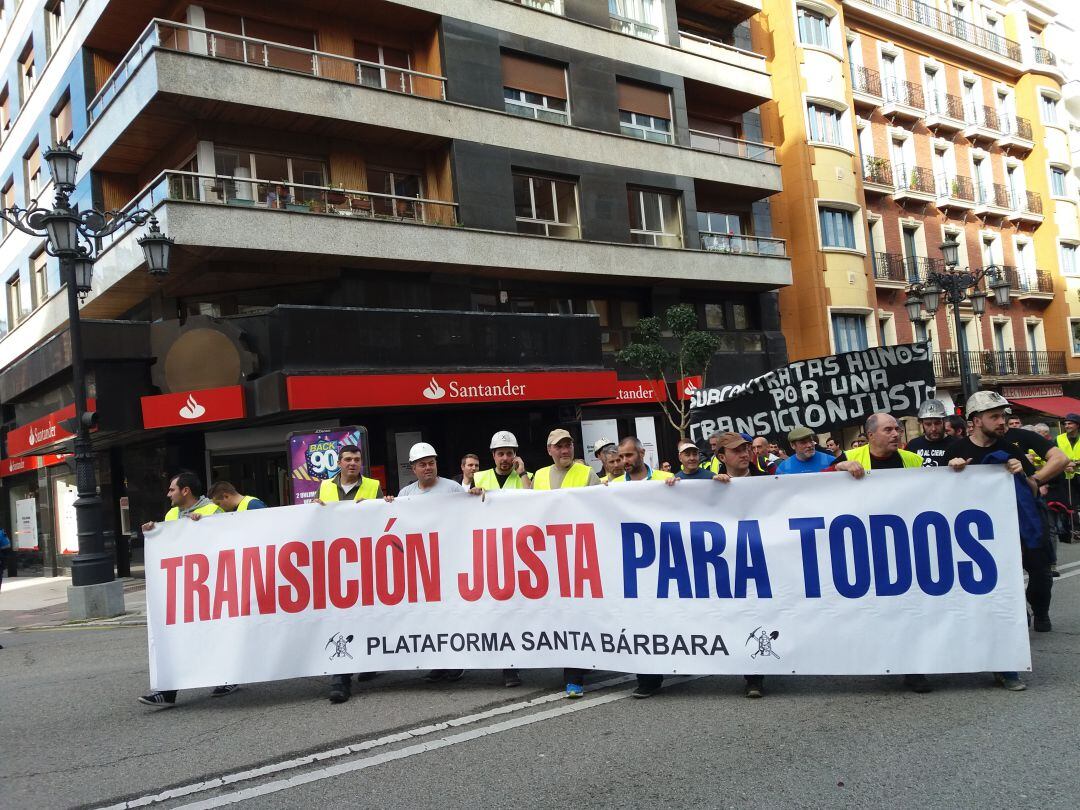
(849, 333)
(1001, 342)
(714, 317)
(8, 200)
(55, 23)
(921, 332)
(39, 272)
(61, 121)
(546, 206)
(1069, 266)
(1058, 181)
(400, 184)
(535, 89)
(639, 18)
(654, 218)
(27, 74)
(837, 228)
(5, 113)
(813, 28)
(644, 112)
(224, 47)
(1075, 328)
(380, 73)
(32, 173)
(269, 171)
(825, 124)
(15, 299)
(1048, 109)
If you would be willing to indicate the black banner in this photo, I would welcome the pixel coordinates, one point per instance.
(820, 394)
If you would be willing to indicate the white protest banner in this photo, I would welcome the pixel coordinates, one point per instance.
(903, 571)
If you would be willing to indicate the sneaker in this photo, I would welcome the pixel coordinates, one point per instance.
(1053, 571)
(574, 690)
(643, 692)
(340, 693)
(755, 687)
(1041, 624)
(221, 691)
(435, 675)
(919, 684)
(1010, 681)
(453, 674)
(159, 699)
(511, 678)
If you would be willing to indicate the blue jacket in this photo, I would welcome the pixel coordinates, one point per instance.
(1032, 532)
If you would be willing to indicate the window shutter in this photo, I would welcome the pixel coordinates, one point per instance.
(534, 76)
(642, 99)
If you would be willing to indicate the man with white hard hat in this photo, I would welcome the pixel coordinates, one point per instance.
(424, 462)
(608, 453)
(509, 469)
(933, 443)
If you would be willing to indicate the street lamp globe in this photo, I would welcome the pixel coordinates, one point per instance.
(950, 251)
(932, 294)
(978, 302)
(1000, 287)
(62, 228)
(83, 266)
(63, 161)
(913, 304)
(156, 248)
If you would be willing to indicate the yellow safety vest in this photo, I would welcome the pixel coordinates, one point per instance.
(576, 476)
(1072, 451)
(244, 501)
(209, 509)
(654, 475)
(712, 465)
(485, 479)
(862, 455)
(368, 489)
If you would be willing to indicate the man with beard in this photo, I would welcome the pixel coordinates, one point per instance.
(933, 443)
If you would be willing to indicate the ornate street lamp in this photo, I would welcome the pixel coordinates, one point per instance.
(73, 236)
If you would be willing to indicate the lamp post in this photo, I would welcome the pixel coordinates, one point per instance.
(73, 236)
(953, 284)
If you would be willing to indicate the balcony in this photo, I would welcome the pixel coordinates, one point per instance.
(992, 200)
(915, 184)
(1030, 284)
(550, 6)
(736, 147)
(895, 269)
(1000, 364)
(903, 99)
(1027, 207)
(740, 243)
(1043, 57)
(877, 175)
(636, 28)
(944, 113)
(1015, 135)
(866, 86)
(949, 26)
(955, 192)
(983, 124)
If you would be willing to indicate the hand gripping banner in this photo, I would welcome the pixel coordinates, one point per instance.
(903, 571)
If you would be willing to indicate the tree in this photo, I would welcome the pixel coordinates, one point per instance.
(667, 360)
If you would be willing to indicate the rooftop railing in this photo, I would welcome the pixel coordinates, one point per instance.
(949, 24)
(262, 53)
(725, 145)
(740, 243)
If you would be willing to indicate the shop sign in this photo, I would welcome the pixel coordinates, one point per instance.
(383, 390)
(688, 386)
(44, 432)
(21, 464)
(194, 407)
(1031, 391)
(636, 392)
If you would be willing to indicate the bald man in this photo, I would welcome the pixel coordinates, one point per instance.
(881, 451)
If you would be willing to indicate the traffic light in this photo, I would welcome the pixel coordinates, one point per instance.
(89, 421)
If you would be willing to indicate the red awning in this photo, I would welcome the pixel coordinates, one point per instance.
(1056, 406)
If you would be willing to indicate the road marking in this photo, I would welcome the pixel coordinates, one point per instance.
(367, 745)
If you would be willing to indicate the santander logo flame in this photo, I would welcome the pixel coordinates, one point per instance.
(434, 390)
(690, 388)
(192, 409)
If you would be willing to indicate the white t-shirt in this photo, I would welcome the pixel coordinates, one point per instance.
(442, 486)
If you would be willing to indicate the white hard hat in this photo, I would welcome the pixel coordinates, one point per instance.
(421, 450)
(932, 409)
(504, 438)
(985, 401)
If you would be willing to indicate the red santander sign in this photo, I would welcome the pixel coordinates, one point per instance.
(194, 407)
(385, 390)
(14, 466)
(41, 433)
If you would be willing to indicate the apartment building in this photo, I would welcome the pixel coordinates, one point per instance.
(903, 124)
(433, 219)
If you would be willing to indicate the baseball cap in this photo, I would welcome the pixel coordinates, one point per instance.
(558, 435)
(800, 432)
(985, 401)
(1073, 417)
(686, 444)
(732, 440)
(599, 445)
(421, 450)
(504, 438)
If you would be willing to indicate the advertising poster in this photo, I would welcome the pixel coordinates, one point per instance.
(26, 536)
(313, 457)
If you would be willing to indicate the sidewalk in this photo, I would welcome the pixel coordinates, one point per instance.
(40, 602)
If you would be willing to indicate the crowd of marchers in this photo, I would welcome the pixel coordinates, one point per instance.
(1043, 470)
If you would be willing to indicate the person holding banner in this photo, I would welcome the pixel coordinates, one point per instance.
(807, 457)
(348, 484)
(632, 458)
(881, 452)
(187, 501)
(564, 472)
(761, 457)
(690, 463)
(225, 495)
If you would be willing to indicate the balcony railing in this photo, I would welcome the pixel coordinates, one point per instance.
(983, 116)
(956, 188)
(904, 92)
(915, 179)
(877, 170)
(1032, 202)
(724, 145)
(993, 194)
(635, 28)
(552, 6)
(946, 104)
(953, 26)
(1043, 56)
(905, 269)
(1028, 281)
(865, 80)
(707, 43)
(262, 53)
(1016, 126)
(740, 243)
(1000, 364)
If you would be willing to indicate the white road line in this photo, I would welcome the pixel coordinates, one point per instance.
(409, 751)
(367, 745)
(1067, 566)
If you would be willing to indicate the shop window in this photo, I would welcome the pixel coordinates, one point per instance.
(546, 207)
(654, 218)
(533, 88)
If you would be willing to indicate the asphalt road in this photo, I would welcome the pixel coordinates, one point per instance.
(72, 735)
